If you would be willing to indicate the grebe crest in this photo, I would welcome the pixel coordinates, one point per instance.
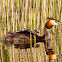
(51, 22)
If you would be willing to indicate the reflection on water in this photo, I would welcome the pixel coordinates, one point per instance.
(21, 46)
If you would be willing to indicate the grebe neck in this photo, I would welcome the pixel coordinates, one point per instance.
(47, 37)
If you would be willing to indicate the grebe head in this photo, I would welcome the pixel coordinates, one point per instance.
(51, 22)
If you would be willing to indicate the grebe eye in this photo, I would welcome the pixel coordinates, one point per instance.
(56, 21)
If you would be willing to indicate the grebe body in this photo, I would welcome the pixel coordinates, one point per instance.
(23, 37)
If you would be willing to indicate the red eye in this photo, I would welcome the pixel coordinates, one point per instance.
(56, 21)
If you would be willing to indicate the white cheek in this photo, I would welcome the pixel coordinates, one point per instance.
(54, 23)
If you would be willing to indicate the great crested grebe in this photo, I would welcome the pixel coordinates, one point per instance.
(22, 38)
(52, 55)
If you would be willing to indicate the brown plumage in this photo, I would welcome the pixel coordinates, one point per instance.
(22, 38)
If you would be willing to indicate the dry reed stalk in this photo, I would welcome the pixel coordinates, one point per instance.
(59, 13)
(38, 55)
(23, 23)
(30, 15)
(18, 55)
(31, 20)
(4, 17)
(50, 8)
(39, 19)
(26, 8)
(16, 20)
(8, 16)
(44, 9)
(34, 20)
(0, 8)
(36, 14)
(22, 59)
(10, 54)
(23, 17)
(1, 54)
(13, 53)
(34, 54)
(42, 23)
(42, 53)
(25, 57)
(12, 2)
(61, 34)
(31, 55)
(38, 22)
(28, 54)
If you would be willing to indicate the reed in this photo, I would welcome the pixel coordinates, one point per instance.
(31, 14)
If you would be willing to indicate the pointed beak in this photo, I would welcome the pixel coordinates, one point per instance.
(59, 23)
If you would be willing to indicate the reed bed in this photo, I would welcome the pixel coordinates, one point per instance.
(30, 14)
